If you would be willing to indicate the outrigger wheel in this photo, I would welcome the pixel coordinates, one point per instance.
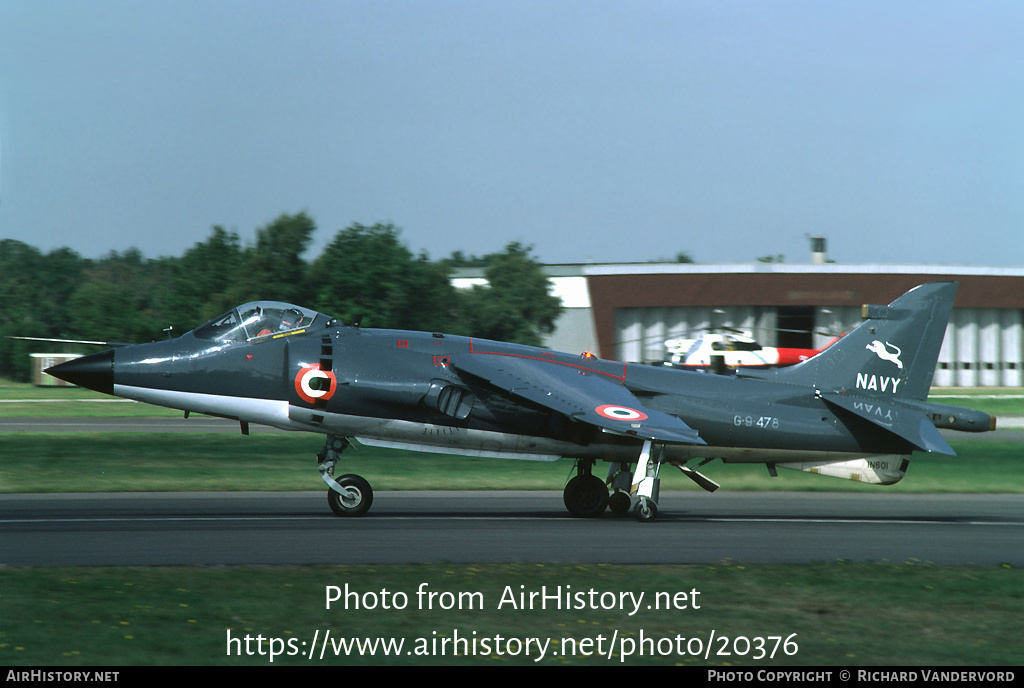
(645, 510)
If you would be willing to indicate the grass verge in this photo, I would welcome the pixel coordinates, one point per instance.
(114, 462)
(840, 613)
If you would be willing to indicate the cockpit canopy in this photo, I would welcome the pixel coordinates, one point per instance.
(259, 319)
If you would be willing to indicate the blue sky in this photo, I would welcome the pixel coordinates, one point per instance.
(593, 131)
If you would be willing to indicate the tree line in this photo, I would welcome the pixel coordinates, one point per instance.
(365, 273)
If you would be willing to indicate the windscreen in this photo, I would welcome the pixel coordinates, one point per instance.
(255, 320)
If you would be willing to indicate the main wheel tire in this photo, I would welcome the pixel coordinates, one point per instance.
(585, 496)
(356, 502)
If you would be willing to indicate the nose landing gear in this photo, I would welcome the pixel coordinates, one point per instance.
(349, 495)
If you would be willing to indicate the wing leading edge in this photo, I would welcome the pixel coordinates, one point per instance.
(578, 393)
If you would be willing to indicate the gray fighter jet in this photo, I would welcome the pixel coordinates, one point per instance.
(857, 410)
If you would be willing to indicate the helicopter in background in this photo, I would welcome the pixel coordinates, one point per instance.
(720, 352)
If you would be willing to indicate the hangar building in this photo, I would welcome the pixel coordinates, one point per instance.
(626, 312)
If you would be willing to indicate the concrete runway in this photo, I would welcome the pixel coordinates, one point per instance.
(481, 527)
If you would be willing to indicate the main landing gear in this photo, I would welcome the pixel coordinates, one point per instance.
(350, 495)
(587, 496)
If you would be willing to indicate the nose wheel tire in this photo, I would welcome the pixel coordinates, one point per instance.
(355, 501)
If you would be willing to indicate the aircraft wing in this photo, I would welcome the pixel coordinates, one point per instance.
(578, 393)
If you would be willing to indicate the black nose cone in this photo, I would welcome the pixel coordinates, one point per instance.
(95, 371)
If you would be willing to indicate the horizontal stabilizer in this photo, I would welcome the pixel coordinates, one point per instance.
(910, 424)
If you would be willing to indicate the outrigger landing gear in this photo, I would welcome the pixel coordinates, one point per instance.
(349, 495)
(646, 484)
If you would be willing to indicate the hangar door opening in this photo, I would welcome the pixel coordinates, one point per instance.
(795, 327)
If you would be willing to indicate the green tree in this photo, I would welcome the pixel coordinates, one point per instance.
(123, 297)
(204, 279)
(35, 296)
(367, 273)
(516, 305)
(274, 269)
(458, 259)
(19, 265)
(105, 311)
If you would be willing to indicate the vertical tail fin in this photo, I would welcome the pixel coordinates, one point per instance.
(891, 355)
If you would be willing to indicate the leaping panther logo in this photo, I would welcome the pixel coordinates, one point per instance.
(882, 351)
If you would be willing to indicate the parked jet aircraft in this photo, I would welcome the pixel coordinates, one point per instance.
(857, 410)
